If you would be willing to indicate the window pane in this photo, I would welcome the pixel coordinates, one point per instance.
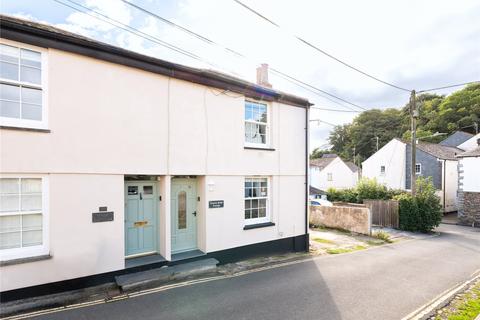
(31, 185)
(9, 53)
(31, 202)
(247, 204)
(31, 112)
(262, 212)
(255, 203)
(10, 223)
(32, 222)
(33, 96)
(147, 190)
(31, 58)
(10, 240)
(9, 203)
(31, 238)
(9, 92)
(8, 71)
(262, 203)
(132, 190)
(247, 214)
(31, 75)
(182, 210)
(9, 109)
(9, 185)
(254, 213)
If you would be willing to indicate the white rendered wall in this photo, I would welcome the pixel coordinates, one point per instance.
(471, 174)
(342, 176)
(392, 156)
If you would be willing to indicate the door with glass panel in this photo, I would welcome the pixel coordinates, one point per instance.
(21, 213)
(140, 218)
(184, 215)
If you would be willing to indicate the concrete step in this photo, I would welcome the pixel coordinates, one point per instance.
(154, 277)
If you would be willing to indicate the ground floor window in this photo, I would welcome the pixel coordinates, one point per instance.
(256, 200)
(22, 217)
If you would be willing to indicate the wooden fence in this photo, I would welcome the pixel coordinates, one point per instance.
(384, 212)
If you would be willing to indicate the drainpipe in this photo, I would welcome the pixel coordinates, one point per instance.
(444, 184)
(307, 182)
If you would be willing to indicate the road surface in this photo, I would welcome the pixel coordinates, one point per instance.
(386, 282)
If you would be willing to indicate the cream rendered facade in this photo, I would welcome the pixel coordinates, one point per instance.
(107, 121)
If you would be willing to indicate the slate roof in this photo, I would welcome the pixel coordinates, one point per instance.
(472, 153)
(439, 151)
(329, 155)
(44, 35)
(456, 139)
(321, 163)
(352, 166)
(314, 190)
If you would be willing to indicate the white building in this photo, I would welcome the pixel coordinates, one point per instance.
(109, 156)
(331, 171)
(390, 165)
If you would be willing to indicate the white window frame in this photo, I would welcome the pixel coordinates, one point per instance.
(267, 143)
(33, 251)
(420, 170)
(382, 172)
(329, 176)
(24, 123)
(267, 217)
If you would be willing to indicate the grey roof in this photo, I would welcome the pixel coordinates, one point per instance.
(472, 153)
(314, 190)
(456, 139)
(329, 155)
(321, 163)
(352, 166)
(45, 35)
(439, 151)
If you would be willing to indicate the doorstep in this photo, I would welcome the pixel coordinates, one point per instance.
(187, 255)
(144, 260)
(158, 276)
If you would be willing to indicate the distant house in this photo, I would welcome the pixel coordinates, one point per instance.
(456, 138)
(469, 186)
(331, 171)
(391, 166)
(470, 144)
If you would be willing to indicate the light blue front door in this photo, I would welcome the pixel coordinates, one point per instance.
(140, 218)
(184, 215)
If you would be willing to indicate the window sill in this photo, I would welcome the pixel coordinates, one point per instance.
(259, 148)
(25, 129)
(258, 225)
(24, 260)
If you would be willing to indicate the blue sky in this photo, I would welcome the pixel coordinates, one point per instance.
(415, 44)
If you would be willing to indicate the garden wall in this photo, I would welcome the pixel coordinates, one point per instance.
(356, 219)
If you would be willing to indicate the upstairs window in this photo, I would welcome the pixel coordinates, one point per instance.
(418, 168)
(329, 176)
(256, 123)
(382, 170)
(21, 87)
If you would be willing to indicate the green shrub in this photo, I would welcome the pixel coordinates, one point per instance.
(422, 212)
(370, 189)
(345, 195)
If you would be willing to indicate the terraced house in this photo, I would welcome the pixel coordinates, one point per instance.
(114, 161)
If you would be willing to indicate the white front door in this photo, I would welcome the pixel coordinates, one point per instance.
(184, 215)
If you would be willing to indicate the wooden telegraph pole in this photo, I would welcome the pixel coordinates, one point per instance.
(413, 120)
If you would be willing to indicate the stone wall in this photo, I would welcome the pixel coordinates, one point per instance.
(469, 213)
(355, 219)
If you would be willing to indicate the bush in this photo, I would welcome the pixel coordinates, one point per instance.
(345, 195)
(365, 189)
(422, 212)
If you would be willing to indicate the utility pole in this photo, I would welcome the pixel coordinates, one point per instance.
(475, 124)
(413, 121)
(377, 142)
(354, 155)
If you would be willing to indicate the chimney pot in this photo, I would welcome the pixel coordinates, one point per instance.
(262, 75)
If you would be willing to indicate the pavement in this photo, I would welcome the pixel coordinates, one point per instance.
(384, 282)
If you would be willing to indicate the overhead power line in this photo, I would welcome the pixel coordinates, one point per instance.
(335, 110)
(309, 44)
(211, 42)
(449, 86)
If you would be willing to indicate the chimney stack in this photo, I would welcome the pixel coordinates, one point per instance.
(262, 76)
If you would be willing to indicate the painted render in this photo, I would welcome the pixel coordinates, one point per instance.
(342, 176)
(107, 121)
